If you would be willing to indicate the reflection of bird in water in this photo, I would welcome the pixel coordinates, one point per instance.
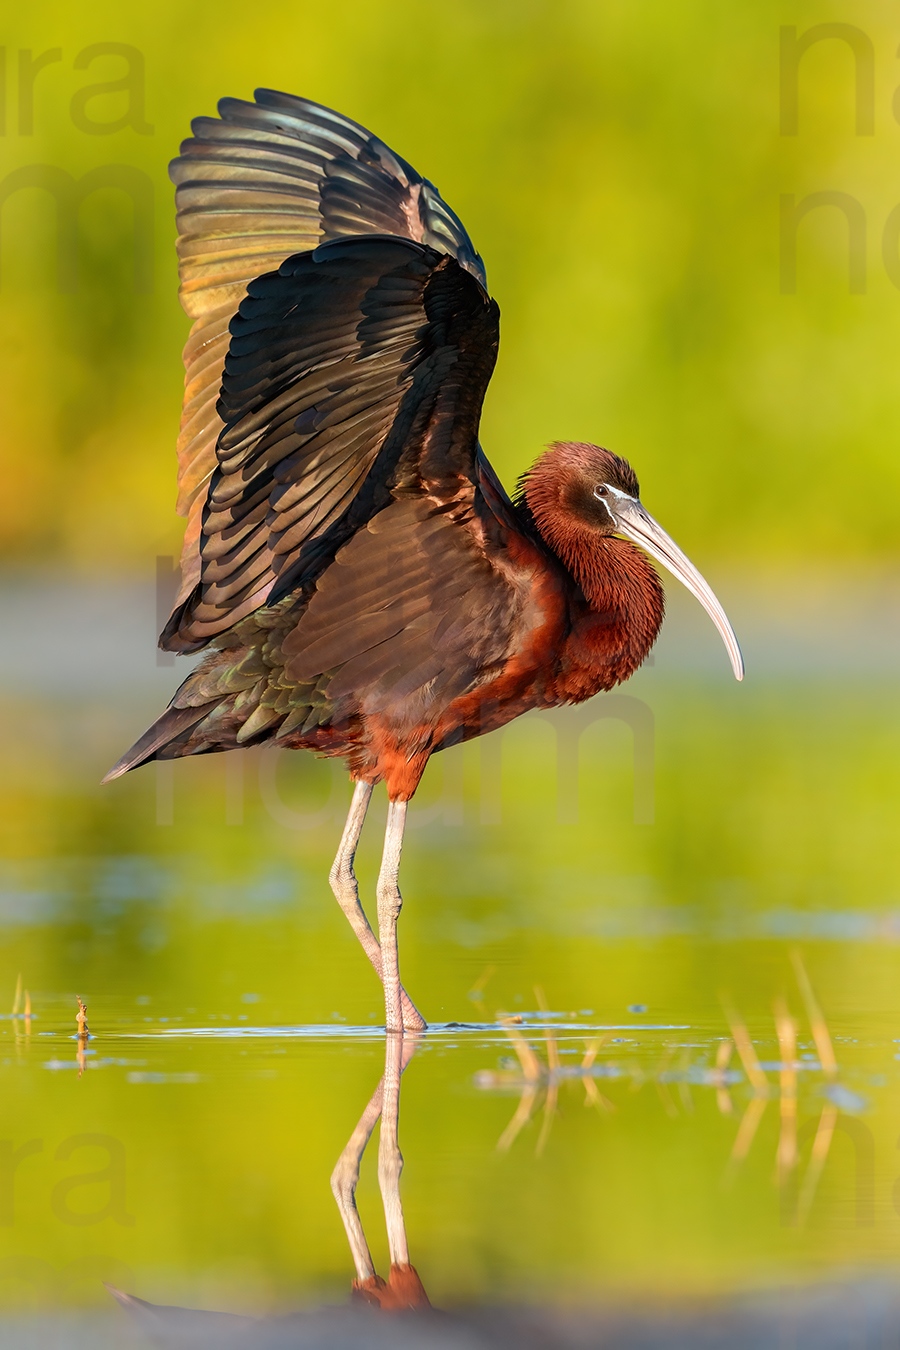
(332, 1327)
(403, 1288)
(361, 583)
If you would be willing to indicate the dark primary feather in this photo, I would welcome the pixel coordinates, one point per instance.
(355, 371)
(261, 182)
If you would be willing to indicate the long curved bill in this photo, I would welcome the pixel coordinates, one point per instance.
(640, 527)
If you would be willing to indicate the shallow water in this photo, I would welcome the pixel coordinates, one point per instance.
(596, 903)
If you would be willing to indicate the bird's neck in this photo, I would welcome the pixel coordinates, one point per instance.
(619, 618)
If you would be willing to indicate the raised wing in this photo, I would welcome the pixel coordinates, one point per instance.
(261, 182)
(356, 373)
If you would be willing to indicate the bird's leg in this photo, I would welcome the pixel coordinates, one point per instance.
(389, 906)
(346, 890)
(343, 878)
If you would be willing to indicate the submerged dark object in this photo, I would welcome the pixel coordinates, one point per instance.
(813, 1316)
(363, 585)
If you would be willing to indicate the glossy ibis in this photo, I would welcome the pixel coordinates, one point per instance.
(360, 581)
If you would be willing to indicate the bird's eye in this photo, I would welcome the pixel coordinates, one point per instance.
(601, 491)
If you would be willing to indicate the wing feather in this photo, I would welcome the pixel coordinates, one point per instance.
(354, 370)
(263, 181)
(383, 621)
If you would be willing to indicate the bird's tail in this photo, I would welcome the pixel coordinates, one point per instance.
(168, 728)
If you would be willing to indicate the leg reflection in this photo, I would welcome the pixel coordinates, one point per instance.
(403, 1288)
(344, 1180)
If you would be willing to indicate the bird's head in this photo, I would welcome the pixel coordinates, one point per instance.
(574, 483)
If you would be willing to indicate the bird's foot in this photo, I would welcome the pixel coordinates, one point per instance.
(412, 1018)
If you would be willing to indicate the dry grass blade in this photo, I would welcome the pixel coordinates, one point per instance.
(547, 1123)
(591, 1050)
(818, 1025)
(747, 1128)
(18, 998)
(83, 1033)
(481, 983)
(476, 993)
(520, 1119)
(592, 1094)
(724, 1102)
(532, 1067)
(786, 1029)
(820, 1150)
(549, 1038)
(723, 1054)
(741, 1037)
(594, 1097)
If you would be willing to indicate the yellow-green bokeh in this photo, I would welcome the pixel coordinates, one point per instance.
(620, 168)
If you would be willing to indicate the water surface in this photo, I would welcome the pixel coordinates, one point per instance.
(597, 904)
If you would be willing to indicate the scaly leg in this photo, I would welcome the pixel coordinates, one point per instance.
(346, 890)
(389, 905)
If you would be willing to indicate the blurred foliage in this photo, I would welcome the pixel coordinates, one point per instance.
(618, 166)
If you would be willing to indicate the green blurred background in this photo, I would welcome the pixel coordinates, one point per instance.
(620, 168)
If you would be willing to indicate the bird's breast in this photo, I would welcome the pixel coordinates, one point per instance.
(524, 679)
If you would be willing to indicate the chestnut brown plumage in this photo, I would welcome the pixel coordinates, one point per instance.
(360, 581)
